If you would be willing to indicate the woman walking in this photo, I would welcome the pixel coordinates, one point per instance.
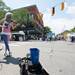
(7, 23)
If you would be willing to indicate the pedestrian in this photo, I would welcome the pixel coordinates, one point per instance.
(7, 23)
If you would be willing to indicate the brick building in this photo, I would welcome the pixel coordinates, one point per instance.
(36, 18)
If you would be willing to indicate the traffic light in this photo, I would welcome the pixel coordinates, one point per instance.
(62, 6)
(53, 11)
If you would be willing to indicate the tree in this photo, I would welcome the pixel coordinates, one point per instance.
(3, 9)
(3, 6)
(73, 29)
(23, 18)
(46, 29)
(20, 15)
(1, 14)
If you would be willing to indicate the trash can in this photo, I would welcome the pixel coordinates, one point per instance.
(34, 55)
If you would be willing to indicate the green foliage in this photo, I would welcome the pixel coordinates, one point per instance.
(73, 29)
(3, 9)
(20, 16)
(3, 6)
(2, 13)
(46, 30)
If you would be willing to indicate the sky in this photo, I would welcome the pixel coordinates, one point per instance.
(61, 21)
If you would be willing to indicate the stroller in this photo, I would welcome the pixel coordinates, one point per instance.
(27, 67)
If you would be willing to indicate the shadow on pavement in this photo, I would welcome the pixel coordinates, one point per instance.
(12, 60)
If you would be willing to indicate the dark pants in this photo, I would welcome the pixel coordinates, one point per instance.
(5, 39)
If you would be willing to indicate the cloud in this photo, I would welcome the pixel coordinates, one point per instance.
(58, 24)
(71, 10)
(18, 0)
(14, 4)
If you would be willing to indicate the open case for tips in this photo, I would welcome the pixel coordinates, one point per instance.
(27, 68)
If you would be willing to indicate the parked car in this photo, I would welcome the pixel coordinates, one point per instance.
(17, 36)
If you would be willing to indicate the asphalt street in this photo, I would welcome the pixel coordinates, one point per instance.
(57, 57)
